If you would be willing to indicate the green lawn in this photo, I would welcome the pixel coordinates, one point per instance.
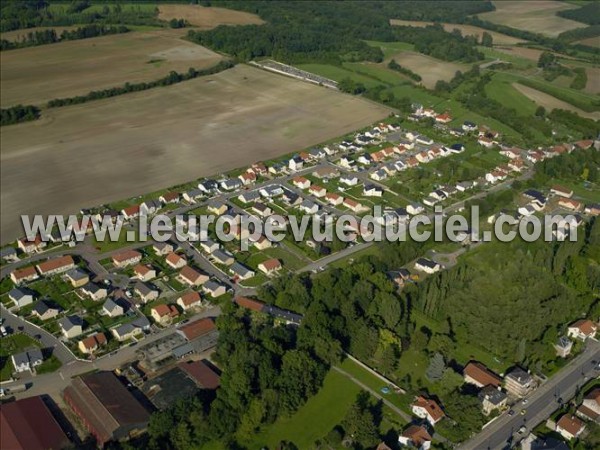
(313, 420)
(338, 73)
(501, 90)
(391, 48)
(378, 71)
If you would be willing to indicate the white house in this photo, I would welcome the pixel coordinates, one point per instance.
(427, 265)
(427, 409)
(582, 329)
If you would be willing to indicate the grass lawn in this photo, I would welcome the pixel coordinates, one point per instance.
(391, 48)
(49, 365)
(108, 246)
(338, 73)
(501, 90)
(313, 420)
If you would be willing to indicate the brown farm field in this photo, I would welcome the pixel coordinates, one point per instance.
(536, 16)
(549, 102)
(84, 155)
(431, 69)
(207, 17)
(35, 75)
(592, 42)
(466, 30)
(593, 80)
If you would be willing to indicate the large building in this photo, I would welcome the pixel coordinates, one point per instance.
(28, 424)
(106, 408)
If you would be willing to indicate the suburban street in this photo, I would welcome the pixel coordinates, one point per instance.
(540, 405)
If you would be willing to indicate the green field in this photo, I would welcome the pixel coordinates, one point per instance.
(501, 90)
(391, 48)
(518, 62)
(313, 420)
(338, 73)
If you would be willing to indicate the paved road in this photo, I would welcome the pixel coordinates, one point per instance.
(47, 340)
(541, 404)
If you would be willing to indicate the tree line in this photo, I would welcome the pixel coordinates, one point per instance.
(18, 113)
(404, 70)
(172, 78)
(50, 36)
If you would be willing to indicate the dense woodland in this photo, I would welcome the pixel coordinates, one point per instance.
(589, 13)
(19, 113)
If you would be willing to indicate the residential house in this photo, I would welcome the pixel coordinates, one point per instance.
(259, 168)
(492, 398)
(22, 275)
(92, 343)
(371, 190)
(144, 272)
(46, 310)
(112, 309)
(486, 142)
(56, 265)
(71, 326)
(262, 210)
(164, 314)
(231, 184)
(271, 191)
(189, 300)
(146, 292)
(590, 406)
(479, 375)
(563, 346)
(240, 271)
(248, 197)
(175, 261)
(427, 265)
(247, 178)
(308, 207)
(301, 182)
(125, 332)
(290, 198)
(270, 266)
(334, 199)
(349, 180)
(193, 195)
(277, 168)
(569, 427)
(8, 254)
(94, 291)
(77, 278)
(126, 258)
(561, 191)
(469, 126)
(326, 173)
(592, 209)
(21, 296)
(573, 205)
(352, 205)
(169, 197)
(222, 257)
(27, 361)
(422, 157)
(415, 436)
(317, 191)
(162, 248)
(378, 175)
(582, 329)
(191, 277)
(209, 246)
(518, 383)
(443, 118)
(296, 163)
(427, 409)
(208, 186)
(424, 140)
(131, 212)
(415, 208)
(262, 243)
(494, 176)
(32, 245)
(150, 207)
(213, 288)
(217, 207)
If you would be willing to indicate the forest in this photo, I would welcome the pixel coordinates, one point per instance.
(19, 113)
(589, 13)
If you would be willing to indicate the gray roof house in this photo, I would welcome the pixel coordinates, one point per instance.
(241, 271)
(222, 257)
(46, 310)
(71, 326)
(21, 296)
(248, 196)
(112, 308)
(8, 253)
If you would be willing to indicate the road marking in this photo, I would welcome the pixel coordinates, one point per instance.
(61, 375)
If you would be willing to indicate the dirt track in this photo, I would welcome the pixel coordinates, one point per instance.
(84, 155)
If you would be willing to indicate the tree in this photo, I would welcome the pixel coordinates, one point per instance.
(486, 39)
(546, 60)
(436, 368)
(360, 423)
(540, 111)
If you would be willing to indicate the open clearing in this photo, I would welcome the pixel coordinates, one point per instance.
(592, 42)
(549, 102)
(35, 75)
(593, 80)
(19, 35)
(106, 150)
(535, 16)
(466, 30)
(430, 69)
(207, 18)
